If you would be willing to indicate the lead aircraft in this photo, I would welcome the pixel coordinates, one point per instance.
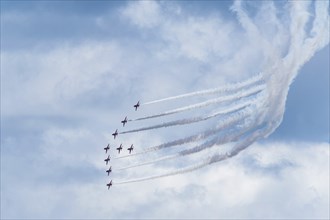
(137, 105)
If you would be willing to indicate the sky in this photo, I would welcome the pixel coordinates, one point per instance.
(70, 71)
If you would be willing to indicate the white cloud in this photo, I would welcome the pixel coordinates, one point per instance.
(145, 14)
(211, 42)
(245, 187)
(39, 81)
(200, 39)
(196, 38)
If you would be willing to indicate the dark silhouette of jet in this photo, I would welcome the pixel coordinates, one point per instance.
(130, 149)
(119, 148)
(107, 160)
(124, 121)
(107, 148)
(115, 134)
(109, 184)
(137, 105)
(109, 170)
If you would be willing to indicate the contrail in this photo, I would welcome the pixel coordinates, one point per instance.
(232, 97)
(195, 119)
(227, 88)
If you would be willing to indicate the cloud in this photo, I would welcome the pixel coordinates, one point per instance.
(196, 38)
(37, 79)
(146, 14)
(55, 77)
(245, 187)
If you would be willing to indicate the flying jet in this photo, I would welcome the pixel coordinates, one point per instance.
(124, 121)
(107, 160)
(109, 184)
(130, 149)
(115, 134)
(137, 105)
(107, 148)
(119, 148)
(109, 170)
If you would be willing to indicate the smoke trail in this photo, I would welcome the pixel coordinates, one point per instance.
(187, 120)
(227, 88)
(149, 162)
(230, 121)
(303, 48)
(279, 70)
(221, 140)
(189, 169)
(195, 119)
(210, 160)
(232, 97)
(225, 123)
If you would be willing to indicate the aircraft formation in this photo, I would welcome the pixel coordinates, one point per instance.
(120, 148)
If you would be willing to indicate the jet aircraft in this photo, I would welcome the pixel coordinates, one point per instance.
(124, 121)
(137, 105)
(119, 148)
(109, 170)
(107, 148)
(107, 160)
(130, 149)
(115, 134)
(109, 184)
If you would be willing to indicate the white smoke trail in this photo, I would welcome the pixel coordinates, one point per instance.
(220, 140)
(232, 97)
(280, 71)
(227, 110)
(284, 59)
(225, 123)
(195, 167)
(228, 122)
(302, 47)
(149, 162)
(223, 89)
(250, 139)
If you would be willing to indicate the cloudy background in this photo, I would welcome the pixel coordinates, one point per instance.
(70, 71)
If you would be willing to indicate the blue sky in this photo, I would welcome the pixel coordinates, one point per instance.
(70, 71)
